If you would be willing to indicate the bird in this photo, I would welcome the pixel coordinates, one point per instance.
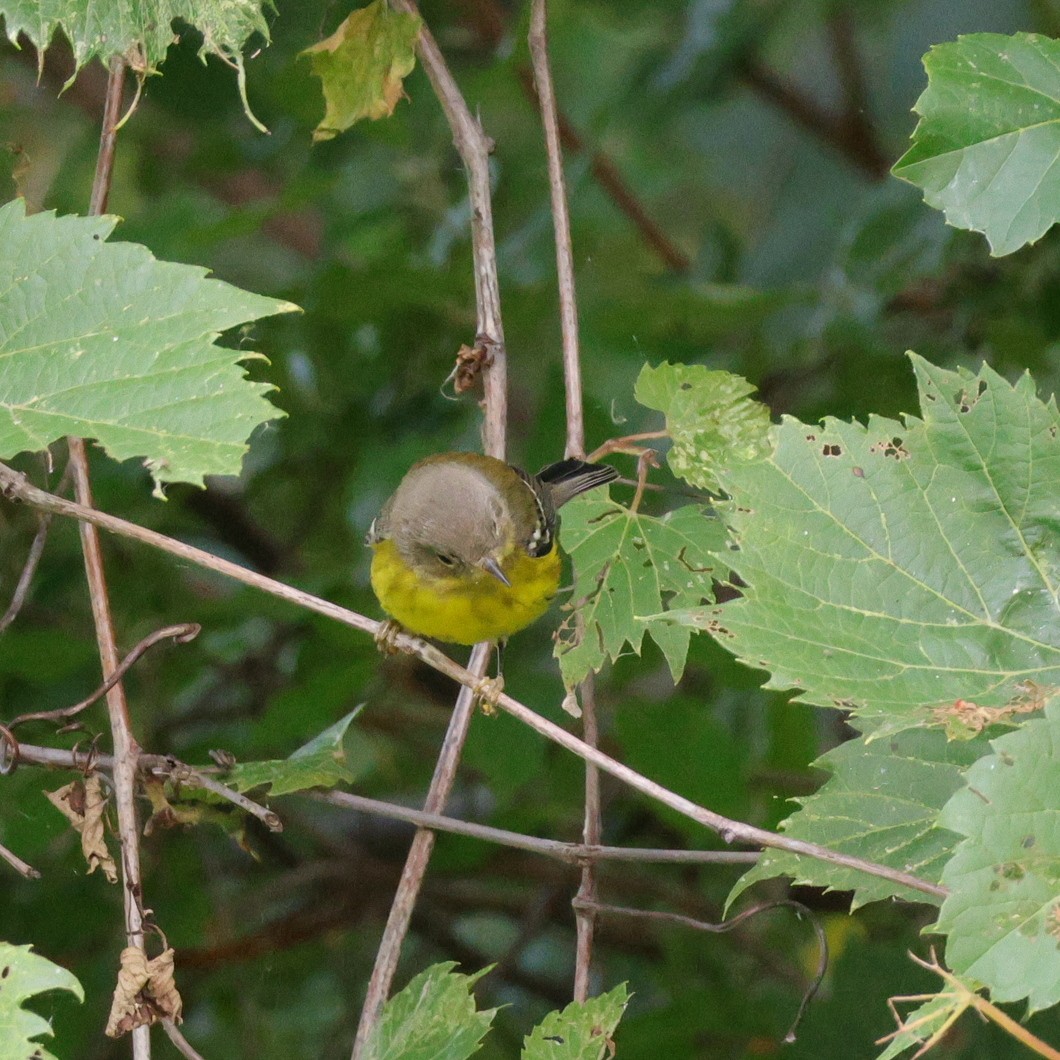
(465, 550)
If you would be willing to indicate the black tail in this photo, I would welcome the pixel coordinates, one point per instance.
(568, 478)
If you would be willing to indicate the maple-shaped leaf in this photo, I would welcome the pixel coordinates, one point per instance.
(630, 570)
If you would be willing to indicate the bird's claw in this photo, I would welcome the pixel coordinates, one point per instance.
(486, 693)
(386, 637)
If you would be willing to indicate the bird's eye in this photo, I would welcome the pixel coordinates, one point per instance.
(448, 561)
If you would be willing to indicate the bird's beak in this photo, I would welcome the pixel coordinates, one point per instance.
(493, 567)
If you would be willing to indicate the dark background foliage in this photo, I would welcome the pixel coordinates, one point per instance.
(753, 139)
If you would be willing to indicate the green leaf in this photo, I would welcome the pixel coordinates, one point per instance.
(1002, 917)
(923, 1022)
(709, 416)
(581, 1031)
(142, 30)
(881, 803)
(321, 763)
(901, 570)
(104, 341)
(362, 66)
(23, 975)
(629, 570)
(433, 1018)
(987, 148)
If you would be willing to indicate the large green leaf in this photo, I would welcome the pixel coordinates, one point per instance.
(987, 148)
(103, 341)
(139, 29)
(881, 803)
(903, 570)
(630, 569)
(1003, 915)
(23, 975)
(433, 1018)
(581, 1031)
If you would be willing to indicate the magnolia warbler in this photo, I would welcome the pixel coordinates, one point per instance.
(465, 550)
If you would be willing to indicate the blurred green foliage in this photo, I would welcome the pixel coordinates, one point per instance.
(757, 138)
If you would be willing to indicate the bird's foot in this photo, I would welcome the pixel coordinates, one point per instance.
(386, 637)
(486, 693)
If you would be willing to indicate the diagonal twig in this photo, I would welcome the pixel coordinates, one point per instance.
(25, 579)
(15, 487)
(181, 634)
(23, 868)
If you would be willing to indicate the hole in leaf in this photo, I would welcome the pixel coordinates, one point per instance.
(967, 400)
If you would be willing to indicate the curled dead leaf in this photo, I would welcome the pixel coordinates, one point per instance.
(146, 992)
(83, 803)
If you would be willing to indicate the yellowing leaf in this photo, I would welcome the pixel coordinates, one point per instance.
(362, 66)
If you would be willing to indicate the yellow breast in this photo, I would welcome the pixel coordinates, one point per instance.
(469, 608)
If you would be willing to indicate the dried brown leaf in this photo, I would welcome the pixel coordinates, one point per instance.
(83, 803)
(146, 992)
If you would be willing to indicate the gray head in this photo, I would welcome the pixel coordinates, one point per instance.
(447, 519)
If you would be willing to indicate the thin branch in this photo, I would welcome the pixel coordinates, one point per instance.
(571, 853)
(36, 550)
(125, 746)
(179, 634)
(592, 827)
(728, 925)
(15, 487)
(20, 866)
(419, 854)
(648, 459)
(490, 20)
(568, 303)
(592, 830)
(965, 997)
(625, 444)
(182, 1045)
(25, 579)
(180, 773)
(609, 177)
(474, 147)
(162, 766)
